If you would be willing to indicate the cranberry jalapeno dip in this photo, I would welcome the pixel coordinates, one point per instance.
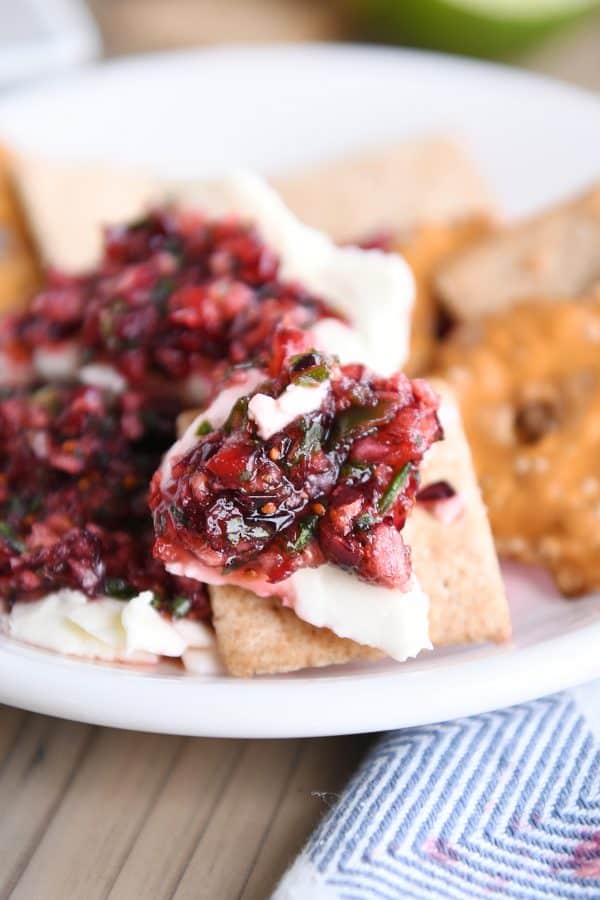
(318, 463)
(75, 465)
(175, 300)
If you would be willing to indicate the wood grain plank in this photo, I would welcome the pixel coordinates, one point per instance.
(33, 779)
(224, 855)
(12, 721)
(324, 767)
(100, 816)
(178, 819)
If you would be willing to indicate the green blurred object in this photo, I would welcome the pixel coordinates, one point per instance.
(491, 28)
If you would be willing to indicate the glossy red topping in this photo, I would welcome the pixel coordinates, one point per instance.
(334, 485)
(173, 295)
(75, 463)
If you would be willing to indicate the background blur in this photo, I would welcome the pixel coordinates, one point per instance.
(561, 37)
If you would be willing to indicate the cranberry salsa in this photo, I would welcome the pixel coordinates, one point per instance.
(175, 300)
(334, 483)
(75, 463)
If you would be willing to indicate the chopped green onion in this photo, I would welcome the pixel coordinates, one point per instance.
(357, 420)
(365, 522)
(161, 292)
(238, 530)
(311, 440)
(178, 515)
(119, 588)
(356, 468)
(238, 416)
(312, 376)
(306, 530)
(181, 607)
(203, 428)
(157, 601)
(7, 532)
(389, 496)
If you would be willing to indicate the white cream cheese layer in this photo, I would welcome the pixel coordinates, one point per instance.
(391, 620)
(67, 622)
(374, 290)
(57, 363)
(103, 376)
(215, 415)
(272, 414)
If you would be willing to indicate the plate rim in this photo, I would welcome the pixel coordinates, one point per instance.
(57, 670)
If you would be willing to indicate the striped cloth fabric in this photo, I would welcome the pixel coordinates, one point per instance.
(504, 804)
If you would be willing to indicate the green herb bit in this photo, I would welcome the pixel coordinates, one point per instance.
(311, 440)
(119, 588)
(7, 532)
(180, 607)
(306, 531)
(178, 515)
(159, 523)
(203, 428)
(108, 319)
(157, 601)
(140, 224)
(245, 476)
(237, 529)
(365, 522)
(238, 417)
(356, 468)
(389, 496)
(312, 376)
(173, 245)
(161, 292)
(357, 420)
(46, 397)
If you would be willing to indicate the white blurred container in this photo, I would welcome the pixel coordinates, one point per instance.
(40, 37)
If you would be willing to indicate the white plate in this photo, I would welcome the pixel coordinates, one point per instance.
(273, 108)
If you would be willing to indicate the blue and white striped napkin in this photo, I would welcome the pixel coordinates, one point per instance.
(504, 804)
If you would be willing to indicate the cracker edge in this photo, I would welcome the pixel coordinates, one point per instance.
(551, 255)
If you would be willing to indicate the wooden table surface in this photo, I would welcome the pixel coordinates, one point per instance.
(93, 813)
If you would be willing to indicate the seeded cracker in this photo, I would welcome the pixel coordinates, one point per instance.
(555, 254)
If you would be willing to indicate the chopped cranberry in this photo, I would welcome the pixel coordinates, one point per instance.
(75, 464)
(436, 490)
(334, 485)
(174, 296)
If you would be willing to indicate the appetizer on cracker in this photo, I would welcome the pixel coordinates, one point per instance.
(328, 501)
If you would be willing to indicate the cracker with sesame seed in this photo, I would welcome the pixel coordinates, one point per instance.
(456, 564)
(552, 255)
(528, 382)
